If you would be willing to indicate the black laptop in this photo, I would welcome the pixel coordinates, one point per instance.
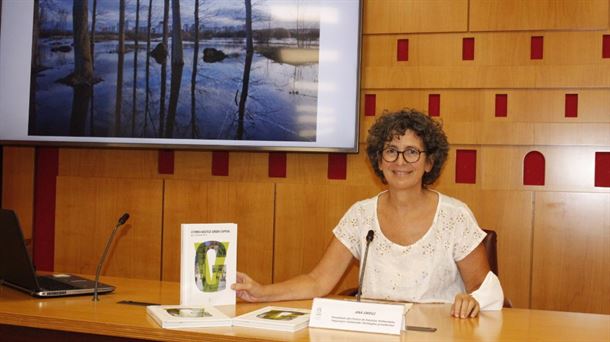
(17, 270)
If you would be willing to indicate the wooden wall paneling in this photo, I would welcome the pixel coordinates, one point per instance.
(510, 213)
(503, 49)
(107, 162)
(391, 101)
(192, 164)
(473, 76)
(305, 218)
(380, 77)
(502, 167)
(540, 105)
(501, 15)
(478, 106)
(87, 210)
(360, 171)
(502, 60)
(593, 105)
(306, 168)
(490, 133)
(424, 50)
(456, 105)
(572, 134)
(423, 16)
(571, 263)
(18, 184)
(250, 205)
(568, 48)
(365, 123)
(568, 168)
(574, 47)
(571, 168)
(248, 166)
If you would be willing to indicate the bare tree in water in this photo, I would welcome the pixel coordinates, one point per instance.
(92, 37)
(35, 61)
(148, 29)
(194, 132)
(247, 65)
(177, 66)
(135, 71)
(119, 79)
(92, 45)
(83, 66)
(163, 70)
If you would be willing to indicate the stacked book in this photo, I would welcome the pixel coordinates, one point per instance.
(270, 317)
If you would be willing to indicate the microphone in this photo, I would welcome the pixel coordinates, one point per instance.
(369, 237)
(121, 222)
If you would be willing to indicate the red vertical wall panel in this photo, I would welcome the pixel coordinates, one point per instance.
(468, 49)
(533, 168)
(220, 163)
(402, 50)
(434, 104)
(602, 169)
(337, 166)
(606, 46)
(466, 166)
(501, 105)
(571, 105)
(537, 47)
(45, 175)
(370, 104)
(165, 162)
(277, 164)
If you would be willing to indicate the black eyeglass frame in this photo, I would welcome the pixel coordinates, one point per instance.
(398, 153)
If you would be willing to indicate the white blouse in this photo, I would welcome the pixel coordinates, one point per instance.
(425, 271)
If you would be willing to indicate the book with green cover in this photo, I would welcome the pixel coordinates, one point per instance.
(208, 264)
(176, 316)
(274, 318)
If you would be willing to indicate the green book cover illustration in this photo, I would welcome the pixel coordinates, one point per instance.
(208, 263)
(210, 270)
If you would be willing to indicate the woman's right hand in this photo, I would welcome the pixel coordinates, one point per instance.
(247, 288)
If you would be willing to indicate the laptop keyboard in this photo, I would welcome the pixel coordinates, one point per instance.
(51, 284)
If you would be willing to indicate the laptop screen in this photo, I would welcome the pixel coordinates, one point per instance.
(15, 263)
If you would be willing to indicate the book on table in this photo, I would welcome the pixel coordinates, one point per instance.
(208, 264)
(177, 316)
(274, 318)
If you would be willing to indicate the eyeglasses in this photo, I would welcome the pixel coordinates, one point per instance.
(410, 154)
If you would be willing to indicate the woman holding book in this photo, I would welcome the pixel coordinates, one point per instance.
(427, 246)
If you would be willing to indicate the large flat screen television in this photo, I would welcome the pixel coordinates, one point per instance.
(213, 74)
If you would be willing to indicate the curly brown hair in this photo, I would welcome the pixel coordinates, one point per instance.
(395, 124)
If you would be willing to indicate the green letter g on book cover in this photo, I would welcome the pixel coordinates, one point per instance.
(208, 263)
(210, 270)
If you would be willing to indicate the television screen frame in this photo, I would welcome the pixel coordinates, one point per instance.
(337, 109)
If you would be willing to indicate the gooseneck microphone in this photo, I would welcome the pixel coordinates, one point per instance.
(121, 222)
(369, 237)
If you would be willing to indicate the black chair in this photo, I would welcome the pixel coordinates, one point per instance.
(491, 247)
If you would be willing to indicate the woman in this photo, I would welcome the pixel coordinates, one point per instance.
(427, 246)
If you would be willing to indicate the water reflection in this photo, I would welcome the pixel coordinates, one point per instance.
(278, 81)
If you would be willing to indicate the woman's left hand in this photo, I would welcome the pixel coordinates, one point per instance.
(465, 306)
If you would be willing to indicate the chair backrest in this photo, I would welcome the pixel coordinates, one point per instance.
(490, 243)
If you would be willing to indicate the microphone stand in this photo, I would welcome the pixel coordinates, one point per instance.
(121, 222)
(369, 238)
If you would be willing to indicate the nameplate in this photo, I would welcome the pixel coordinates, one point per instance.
(357, 316)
